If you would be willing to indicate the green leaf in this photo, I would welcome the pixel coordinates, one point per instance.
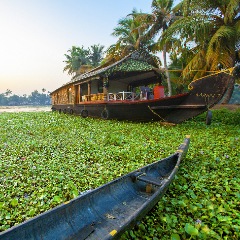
(205, 229)
(190, 229)
(210, 207)
(57, 199)
(75, 193)
(175, 236)
(14, 202)
(31, 212)
(132, 234)
(164, 219)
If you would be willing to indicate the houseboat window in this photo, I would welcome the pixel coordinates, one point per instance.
(70, 95)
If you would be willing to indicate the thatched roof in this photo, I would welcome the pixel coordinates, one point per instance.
(138, 67)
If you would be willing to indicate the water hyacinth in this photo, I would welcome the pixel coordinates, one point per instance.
(48, 159)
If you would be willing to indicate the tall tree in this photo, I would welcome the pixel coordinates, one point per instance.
(155, 24)
(210, 31)
(80, 59)
(96, 54)
(77, 57)
(129, 32)
(8, 92)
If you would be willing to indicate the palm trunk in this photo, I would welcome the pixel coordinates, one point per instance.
(166, 68)
(226, 98)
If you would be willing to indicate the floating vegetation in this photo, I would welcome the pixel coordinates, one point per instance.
(48, 159)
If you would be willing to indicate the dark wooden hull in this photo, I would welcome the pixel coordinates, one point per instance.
(108, 211)
(204, 94)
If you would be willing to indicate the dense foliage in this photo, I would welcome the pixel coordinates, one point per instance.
(48, 158)
(35, 98)
(79, 57)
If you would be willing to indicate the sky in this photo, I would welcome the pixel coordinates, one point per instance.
(35, 35)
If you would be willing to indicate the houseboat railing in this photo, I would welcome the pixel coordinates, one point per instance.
(122, 96)
(119, 96)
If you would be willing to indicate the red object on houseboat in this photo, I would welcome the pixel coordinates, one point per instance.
(158, 92)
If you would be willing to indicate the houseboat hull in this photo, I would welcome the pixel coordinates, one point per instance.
(123, 110)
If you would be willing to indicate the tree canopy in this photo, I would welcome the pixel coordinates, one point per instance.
(35, 98)
(130, 31)
(78, 57)
(201, 37)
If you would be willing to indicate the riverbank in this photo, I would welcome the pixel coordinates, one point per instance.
(25, 108)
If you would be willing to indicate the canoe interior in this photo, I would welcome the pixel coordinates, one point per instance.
(108, 211)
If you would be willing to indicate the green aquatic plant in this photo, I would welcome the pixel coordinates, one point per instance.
(48, 159)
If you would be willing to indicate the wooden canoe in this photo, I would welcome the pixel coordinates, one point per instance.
(105, 212)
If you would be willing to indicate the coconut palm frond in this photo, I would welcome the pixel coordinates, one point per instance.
(178, 9)
(237, 29)
(162, 4)
(232, 10)
(221, 48)
(120, 32)
(154, 29)
(123, 27)
(199, 74)
(186, 28)
(144, 18)
(197, 63)
(202, 30)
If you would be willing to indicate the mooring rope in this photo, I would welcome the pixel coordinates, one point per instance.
(230, 70)
(227, 71)
(156, 114)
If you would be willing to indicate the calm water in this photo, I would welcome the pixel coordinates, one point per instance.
(25, 108)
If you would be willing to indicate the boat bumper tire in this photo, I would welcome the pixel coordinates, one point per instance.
(84, 113)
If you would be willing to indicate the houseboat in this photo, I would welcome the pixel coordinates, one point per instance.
(121, 91)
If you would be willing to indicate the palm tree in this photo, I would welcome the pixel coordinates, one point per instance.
(80, 60)
(155, 24)
(71, 62)
(8, 92)
(78, 56)
(129, 32)
(96, 55)
(210, 30)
